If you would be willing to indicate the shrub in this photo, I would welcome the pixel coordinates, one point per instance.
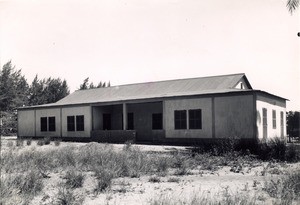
(47, 140)
(28, 183)
(104, 179)
(28, 142)
(286, 188)
(277, 149)
(19, 142)
(74, 179)
(162, 164)
(57, 142)
(154, 179)
(174, 179)
(40, 142)
(66, 197)
(10, 144)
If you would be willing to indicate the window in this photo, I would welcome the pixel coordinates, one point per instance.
(281, 124)
(51, 122)
(43, 124)
(79, 123)
(157, 121)
(195, 119)
(180, 119)
(274, 118)
(71, 123)
(130, 121)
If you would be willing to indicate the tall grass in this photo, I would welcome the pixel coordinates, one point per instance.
(198, 198)
(286, 188)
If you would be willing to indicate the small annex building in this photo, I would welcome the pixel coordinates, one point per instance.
(173, 111)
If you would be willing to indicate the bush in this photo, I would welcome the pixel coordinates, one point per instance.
(47, 140)
(40, 142)
(19, 142)
(65, 197)
(74, 179)
(104, 179)
(174, 179)
(28, 142)
(286, 188)
(57, 142)
(154, 179)
(277, 149)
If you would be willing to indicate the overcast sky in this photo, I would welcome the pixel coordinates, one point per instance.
(129, 41)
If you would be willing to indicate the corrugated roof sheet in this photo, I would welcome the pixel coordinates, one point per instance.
(181, 87)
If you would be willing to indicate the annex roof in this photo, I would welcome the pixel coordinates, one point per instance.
(168, 88)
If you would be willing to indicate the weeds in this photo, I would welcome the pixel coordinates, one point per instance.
(28, 142)
(57, 142)
(19, 142)
(154, 179)
(286, 188)
(66, 197)
(104, 179)
(174, 179)
(74, 179)
(47, 140)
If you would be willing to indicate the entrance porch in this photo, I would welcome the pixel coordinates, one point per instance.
(138, 122)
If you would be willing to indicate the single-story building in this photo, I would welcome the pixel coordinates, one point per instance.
(173, 111)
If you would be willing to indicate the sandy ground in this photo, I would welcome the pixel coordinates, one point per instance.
(141, 191)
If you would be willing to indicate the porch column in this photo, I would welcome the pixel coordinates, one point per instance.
(124, 116)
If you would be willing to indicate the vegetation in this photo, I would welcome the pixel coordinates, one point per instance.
(16, 92)
(24, 172)
(292, 5)
(87, 85)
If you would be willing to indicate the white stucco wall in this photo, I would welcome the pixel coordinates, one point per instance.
(26, 123)
(73, 111)
(47, 112)
(270, 104)
(205, 104)
(234, 116)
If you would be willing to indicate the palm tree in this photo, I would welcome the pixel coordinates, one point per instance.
(292, 5)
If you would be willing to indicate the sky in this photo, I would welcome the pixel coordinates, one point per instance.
(132, 41)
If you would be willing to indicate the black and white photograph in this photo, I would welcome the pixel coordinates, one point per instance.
(149, 102)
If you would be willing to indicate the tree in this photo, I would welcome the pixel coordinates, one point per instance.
(292, 5)
(48, 90)
(293, 123)
(13, 88)
(86, 85)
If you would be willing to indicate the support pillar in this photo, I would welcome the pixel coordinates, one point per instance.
(124, 116)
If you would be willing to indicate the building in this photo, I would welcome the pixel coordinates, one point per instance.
(174, 111)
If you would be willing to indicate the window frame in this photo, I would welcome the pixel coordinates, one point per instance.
(71, 123)
(79, 123)
(274, 119)
(180, 119)
(44, 124)
(195, 122)
(51, 124)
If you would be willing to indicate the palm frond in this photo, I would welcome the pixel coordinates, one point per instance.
(292, 5)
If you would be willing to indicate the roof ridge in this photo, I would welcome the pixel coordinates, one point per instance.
(160, 81)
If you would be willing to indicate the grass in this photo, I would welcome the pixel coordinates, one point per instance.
(197, 198)
(285, 188)
(154, 179)
(107, 164)
(104, 179)
(74, 179)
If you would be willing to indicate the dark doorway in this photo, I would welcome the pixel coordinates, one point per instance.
(130, 121)
(106, 121)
